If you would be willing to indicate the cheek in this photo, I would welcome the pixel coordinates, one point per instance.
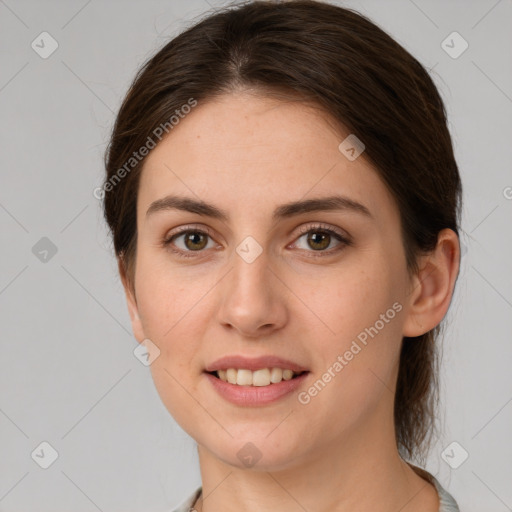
(360, 344)
(352, 299)
(170, 311)
(168, 297)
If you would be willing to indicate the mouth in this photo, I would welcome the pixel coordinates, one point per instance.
(258, 378)
(258, 388)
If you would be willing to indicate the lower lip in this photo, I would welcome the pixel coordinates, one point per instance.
(255, 395)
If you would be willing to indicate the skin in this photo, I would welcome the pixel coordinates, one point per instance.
(247, 154)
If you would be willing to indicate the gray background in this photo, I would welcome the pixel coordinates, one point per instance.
(68, 375)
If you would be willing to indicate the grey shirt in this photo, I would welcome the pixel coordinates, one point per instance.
(446, 501)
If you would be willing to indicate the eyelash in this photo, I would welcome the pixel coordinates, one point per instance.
(317, 228)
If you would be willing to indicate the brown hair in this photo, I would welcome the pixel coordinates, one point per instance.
(340, 61)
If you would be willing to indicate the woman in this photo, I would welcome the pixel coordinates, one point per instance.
(284, 203)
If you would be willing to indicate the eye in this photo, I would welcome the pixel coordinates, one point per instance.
(194, 240)
(319, 238)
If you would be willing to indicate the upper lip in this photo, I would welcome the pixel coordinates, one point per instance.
(253, 363)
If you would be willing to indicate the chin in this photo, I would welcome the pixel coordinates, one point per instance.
(257, 450)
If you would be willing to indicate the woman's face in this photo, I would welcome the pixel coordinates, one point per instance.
(258, 284)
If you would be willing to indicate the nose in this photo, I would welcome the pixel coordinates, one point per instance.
(252, 298)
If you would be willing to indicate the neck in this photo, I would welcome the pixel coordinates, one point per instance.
(361, 471)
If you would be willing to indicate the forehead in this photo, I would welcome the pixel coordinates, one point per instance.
(252, 152)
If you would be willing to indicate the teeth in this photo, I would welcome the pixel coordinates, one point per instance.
(263, 377)
(244, 377)
(231, 375)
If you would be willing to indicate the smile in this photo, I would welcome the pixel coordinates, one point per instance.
(262, 377)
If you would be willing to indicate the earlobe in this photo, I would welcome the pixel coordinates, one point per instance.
(433, 286)
(131, 302)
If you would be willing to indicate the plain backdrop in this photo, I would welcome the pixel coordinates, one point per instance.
(68, 375)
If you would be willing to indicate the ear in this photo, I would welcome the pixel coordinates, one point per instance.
(433, 286)
(131, 300)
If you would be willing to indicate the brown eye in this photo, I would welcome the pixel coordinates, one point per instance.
(318, 240)
(195, 240)
(188, 241)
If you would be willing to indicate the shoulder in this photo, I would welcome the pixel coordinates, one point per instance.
(446, 501)
(186, 504)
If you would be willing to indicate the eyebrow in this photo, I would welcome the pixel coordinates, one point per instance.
(287, 210)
